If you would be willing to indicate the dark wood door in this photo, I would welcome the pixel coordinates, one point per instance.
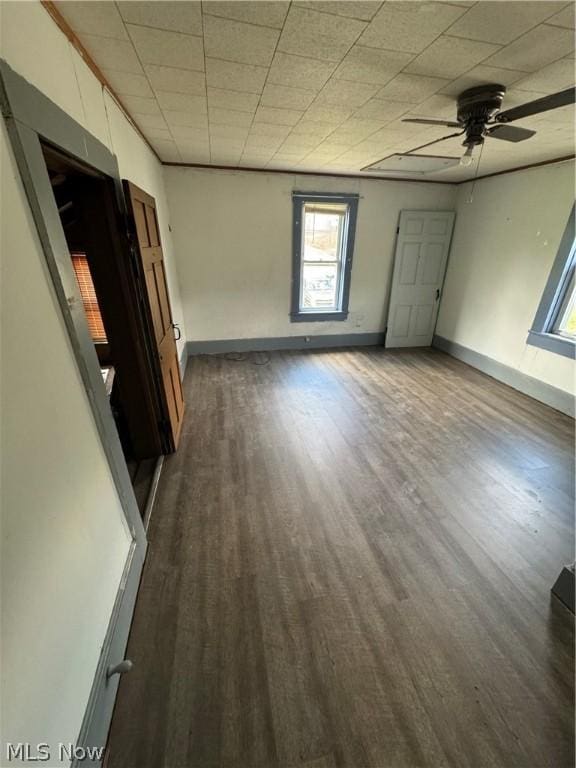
(142, 208)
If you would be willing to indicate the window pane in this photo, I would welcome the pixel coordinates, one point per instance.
(567, 322)
(319, 286)
(323, 232)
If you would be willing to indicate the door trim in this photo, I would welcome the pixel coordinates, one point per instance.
(31, 117)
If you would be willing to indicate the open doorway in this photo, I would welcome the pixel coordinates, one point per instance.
(114, 302)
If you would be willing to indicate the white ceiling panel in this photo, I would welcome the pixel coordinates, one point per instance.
(450, 57)
(364, 10)
(172, 15)
(536, 49)
(326, 84)
(170, 49)
(409, 26)
(503, 21)
(94, 18)
(326, 35)
(370, 65)
(262, 13)
(237, 41)
(236, 77)
(176, 80)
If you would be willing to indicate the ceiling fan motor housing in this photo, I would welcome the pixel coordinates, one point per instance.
(476, 106)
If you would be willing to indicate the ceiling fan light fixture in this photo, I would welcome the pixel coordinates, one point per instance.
(467, 158)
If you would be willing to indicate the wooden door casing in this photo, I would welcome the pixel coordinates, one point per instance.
(142, 207)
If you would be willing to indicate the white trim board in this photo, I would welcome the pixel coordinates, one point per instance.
(528, 385)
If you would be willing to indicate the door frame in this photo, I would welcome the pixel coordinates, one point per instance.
(31, 118)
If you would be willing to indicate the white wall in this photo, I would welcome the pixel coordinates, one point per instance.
(232, 232)
(64, 538)
(508, 229)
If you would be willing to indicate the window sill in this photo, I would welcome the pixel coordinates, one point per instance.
(316, 317)
(552, 342)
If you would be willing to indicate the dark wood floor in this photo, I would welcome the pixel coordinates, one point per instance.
(349, 566)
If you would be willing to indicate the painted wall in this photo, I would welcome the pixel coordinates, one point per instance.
(507, 234)
(232, 232)
(64, 539)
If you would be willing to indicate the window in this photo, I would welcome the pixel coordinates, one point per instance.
(89, 298)
(324, 227)
(554, 326)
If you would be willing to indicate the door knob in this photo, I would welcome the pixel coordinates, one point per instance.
(437, 294)
(177, 328)
(119, 669)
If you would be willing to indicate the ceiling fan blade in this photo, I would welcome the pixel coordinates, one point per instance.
(425, 121)
(510, 133)
(546, 103)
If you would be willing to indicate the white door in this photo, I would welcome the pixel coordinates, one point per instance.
(420, 262)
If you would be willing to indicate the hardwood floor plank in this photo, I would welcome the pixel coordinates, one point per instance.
(350, 564)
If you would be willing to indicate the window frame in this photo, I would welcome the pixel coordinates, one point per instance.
(544, 333)
(299, 200)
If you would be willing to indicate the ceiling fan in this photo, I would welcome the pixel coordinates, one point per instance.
(478, 117)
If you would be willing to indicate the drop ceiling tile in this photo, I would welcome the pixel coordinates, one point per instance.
(286, 98)
(480, 76)
(565, 18)
(355, 130)
(299, 71)
(242, 102)
(266, 14)
(170, 49)
(264, 141)
(96, 18)
(355, 9)
(298, 142)
(346, 92)
(236, 41)
(313, 130)
(535, 49)
(439, 105)
(228, 132)
(176, 80)
(554, 77)
(327, 113)
(235, 77)
(226, 145)
(167, 150)
(411, 88)
(279, 132)
(152, 122)
(177, 117)
(370, 65)
(186, 133)
(503, 21)
(182, 102)
(326, 150)
(229, 117)
(278, 116)
(183, 17)
(117, 54)
(139, 105)
(379, 109)
(194, 157)
(158, 134)
(409, 26)
(325, 36)
(450, 57)
(126, 84)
